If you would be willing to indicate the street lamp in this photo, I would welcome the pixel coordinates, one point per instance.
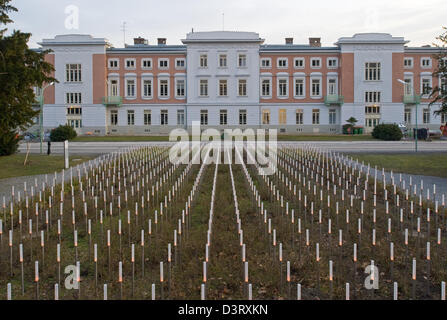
(41, 114)
(407, 84)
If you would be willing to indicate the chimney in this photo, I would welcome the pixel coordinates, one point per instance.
(289, 40)
(161, 41)
(139, 40)
(315, 42)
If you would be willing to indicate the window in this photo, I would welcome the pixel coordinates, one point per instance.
(408, 63)
(146, 63)
(407, 116)
(265, 116)
(443, 118)
(180, 63)
(372, 110)
(332, 63)
(75, 123)
(74, 111)
(164, 117)
(299, 116)
(265, 88)
(282, 116)
(181, 117)
(113, 89)
(282, 88)
(242, 60)
(147, 88)
(223, 117)
(266, 63)
(130, 63)
(426, 116)
(426, 86)
(203, 61)
(315, 63)
(114, 63)
(203, 117)
(223, 61)
(299, 63)
(426, 63)
(242, 88)
(73, 73)
(282, 63)
(163, 63)
(130, 91)
(372, 97)
(372, 71)
(316, 116)
(443, 85)
(332, 116)
(73, 98)
(114, 118)
(164, 88)
(223, 88)
(130, 117)
(408, 89)
(299, 87)
(316, 84)
(180, 88)
(332, 87)
(203, 88)
(243, 117)
(147, 117)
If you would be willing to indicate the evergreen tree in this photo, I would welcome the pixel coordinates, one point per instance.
(439, 93)
(21, 69)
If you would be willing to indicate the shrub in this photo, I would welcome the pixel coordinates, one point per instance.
(63, 133)
(9, 142)
(387, 132)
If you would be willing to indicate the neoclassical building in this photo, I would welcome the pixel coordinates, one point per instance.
(233, 79)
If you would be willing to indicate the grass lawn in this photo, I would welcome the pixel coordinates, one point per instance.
(12, 166)
(420, 164)
(334, 137)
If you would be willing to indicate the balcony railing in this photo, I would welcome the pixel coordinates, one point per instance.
(334, 99)
(115, 101)
(412, 99)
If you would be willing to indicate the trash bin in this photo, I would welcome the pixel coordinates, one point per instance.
(360, 130)
(356, 130)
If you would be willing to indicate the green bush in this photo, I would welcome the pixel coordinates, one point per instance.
(9, 143)
(387, 132)
(63, 133)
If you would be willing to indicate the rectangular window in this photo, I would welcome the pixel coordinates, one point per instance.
(163, 63)
(372, 71)
(426, 62)
(180, 63)
(299, 87)
(265, 116)
(203, 61)
(332, 63)
(75, 123)
(164, 88)
(332, 116)
(223, 117)
(265, 88)
(299, 116)
(315, 63)
(114, 118)
(130, 91)
(222, 61)
(242, 61)
(372, 97)
(130, 117)
(426, 116)
(266, 63)
(113, 63)
(407, 116)
(203, 117)
(372, 110)
(282, 116)
(73, 73)
(443, 85)
(316, 83)
(130, 63)
(147, 117)
(180, 88)
(73, 98)
(147, 88)
(299, 63)
(426, 86)
(181, 117)
(282, 86)
(408, 63)
(223, 88)
(332, 87)
(242, 117)
(164, 117)
(282, 62)
(113, 89)
(203, 88)
(242, 88)
(316, 116)
(408, 89)
(72, 111)
(443, 118)
(146, 63)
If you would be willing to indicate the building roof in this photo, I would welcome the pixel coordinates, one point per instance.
(222, 36)
(73, 40)
(140, 48)
(295, 48)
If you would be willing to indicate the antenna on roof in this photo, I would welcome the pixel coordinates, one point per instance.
(223, 21)
(123, 29)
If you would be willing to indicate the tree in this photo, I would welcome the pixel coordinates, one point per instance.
(21, 69)
(439, 93)
(352, 121)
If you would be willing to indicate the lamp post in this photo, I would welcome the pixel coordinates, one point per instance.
(406, 84)
(41, 101)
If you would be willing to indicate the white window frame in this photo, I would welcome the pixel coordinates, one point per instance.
(270, 88)
(160, 79)
(207, 88)
(77, 71)
(430, 62)
(430, 79)
(319, 63)
(246, 88)
(303, 62)
(282, 59)
(269, 63)
(218, 88)
(147, 68)
(239, 65)
(378, 71)
(286, 96)
(225, 112)
(205, 114)
(177, 60)
(330, 59)
(184, 88)
(332, 121)
(162, 112)
(203, 57)
(126, 91)
(117, 60)
(312, 96)
(143, 79)
(130, 112)
(73, 98)
(301, 120)
(336, 85)
(219, 60)
(163, 60)
(145, 113)
(180, 112)
(303, 79)
(109, 86)
(411, 64)
(411, 84)
(130, 60)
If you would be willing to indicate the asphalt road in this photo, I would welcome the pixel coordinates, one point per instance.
(97, 148)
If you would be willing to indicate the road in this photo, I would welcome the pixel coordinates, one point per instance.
(96, 148)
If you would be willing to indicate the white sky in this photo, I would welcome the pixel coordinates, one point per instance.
(418, 21)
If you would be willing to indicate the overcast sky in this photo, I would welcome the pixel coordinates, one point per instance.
(418, 21)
